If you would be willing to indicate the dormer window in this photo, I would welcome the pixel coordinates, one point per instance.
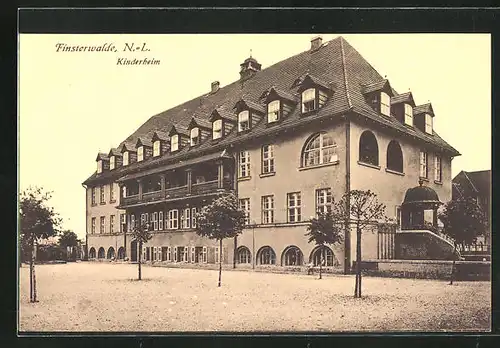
(408, 115)
(140, 153)
(385, 104)
(174, 142)
(217, 129)
(99, 166)
(273, 111)
(428, 123)
(195, 136)
(243, 121)
(112, 162)
(309, 100)
(125, 158)
(156, 148)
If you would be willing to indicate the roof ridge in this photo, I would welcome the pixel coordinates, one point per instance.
(349, 103)
(473, 186)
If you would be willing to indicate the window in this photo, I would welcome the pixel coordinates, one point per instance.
(122, 222)
(186, 218)
(394, 157)
(308, 100)
(428, 123)
(267, 209)
(293, 257)
(102, 228)
(244, 165)
(112, 162)
(140, 153)
(99, 166)
(217, 129)
(185, 254)
(244, 255)
(102, 195)
(319, 149)
(243, 121)
(385, 104)
(173, 219)
(267, 159)
(245, 206)
(408, 115)
(195, 136)
(323, 200)
(156, 148)
(132, 222)
(437, 168)
(93, 225)
(111, 223)
(368, 148)
(323, 255)
(266, 256)
(169, 254)
(423, 164)
(294, 210)
(273, 111)
(111, 193)
(125, 158)
(174, 142)
(193, 217)
(398, 215)
(160, 221)
(93, 195)
(192, 254)
(155, 221)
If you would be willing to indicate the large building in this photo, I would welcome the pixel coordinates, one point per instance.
(287, 139)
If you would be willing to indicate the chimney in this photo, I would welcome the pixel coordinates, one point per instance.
(316, 43)
(215, 86)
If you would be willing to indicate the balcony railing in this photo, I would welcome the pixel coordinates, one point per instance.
(176, 192)
(204, 187)
(130, 200)
(152, 196)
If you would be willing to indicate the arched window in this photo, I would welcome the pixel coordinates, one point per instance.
(111, 253)
(368, 148)
(195, 136)
(266, 256)
(325, 254)
(394, 157)
(121, 253)
(319, 149)
(244, 255)
(292, 256)
(101, 254)
(92, 253)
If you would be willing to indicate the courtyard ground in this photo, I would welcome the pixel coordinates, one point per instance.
(88, 296)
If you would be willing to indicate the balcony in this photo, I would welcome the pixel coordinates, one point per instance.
(175, 193)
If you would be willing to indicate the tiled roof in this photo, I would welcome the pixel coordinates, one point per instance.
(160, 135)
(195, 121)
(284, 95)
(144, 141)
(252, 105)
(423, 109)
(403, 98)
(376, 86)
(337, 63)
(481, 181)
(179, 129)
(127, 146)
(224, 114)
(102, 156)
(114, 152)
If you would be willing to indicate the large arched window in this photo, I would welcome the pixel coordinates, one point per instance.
(368, 148)
(92, 253)
(394, 157)
(325, 254)
(319, 149)
(111, 253)
(121, 253)
(266, 256)
(101, 254)
(244, 255)
(292, 256)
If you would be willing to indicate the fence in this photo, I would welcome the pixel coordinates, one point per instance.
(386, 236)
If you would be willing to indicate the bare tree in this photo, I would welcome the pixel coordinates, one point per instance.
(364, 209)
(141, 233)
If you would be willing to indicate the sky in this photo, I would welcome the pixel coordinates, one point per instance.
(74, 104)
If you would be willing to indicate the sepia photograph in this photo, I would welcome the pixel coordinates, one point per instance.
(254, 183)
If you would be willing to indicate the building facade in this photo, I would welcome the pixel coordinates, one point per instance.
(288, 140)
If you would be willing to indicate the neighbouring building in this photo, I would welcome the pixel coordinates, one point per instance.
(476, 185)
(288, 140)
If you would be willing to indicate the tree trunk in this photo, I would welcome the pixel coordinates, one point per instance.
(453, 264)
(139, 258)
(235, 248)
(357, 289)
(220, 261)
(32, 272)
(321, 261)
